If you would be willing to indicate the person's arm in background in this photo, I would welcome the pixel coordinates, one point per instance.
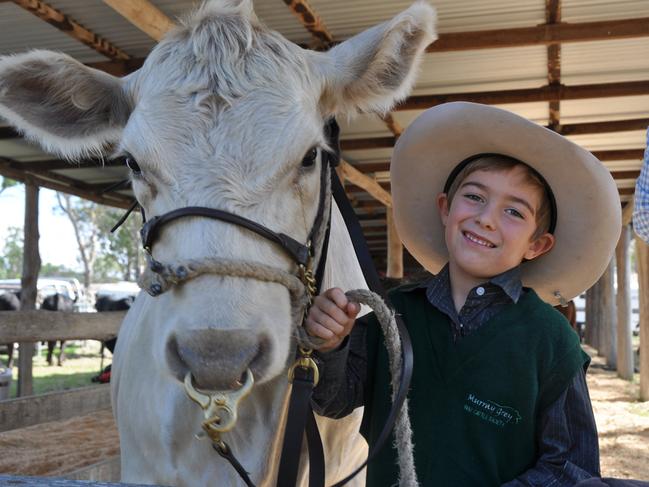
(641, 209)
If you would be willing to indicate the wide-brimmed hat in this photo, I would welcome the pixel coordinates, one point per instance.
(588, 217)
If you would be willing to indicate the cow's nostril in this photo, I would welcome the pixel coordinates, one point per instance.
(216, 358)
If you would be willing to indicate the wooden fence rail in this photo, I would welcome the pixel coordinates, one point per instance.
(34, 326)
(53, 406)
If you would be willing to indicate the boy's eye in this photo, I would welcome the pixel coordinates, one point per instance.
(514, 212)
(473, 197)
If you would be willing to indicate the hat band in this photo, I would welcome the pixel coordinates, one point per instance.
(548, 190)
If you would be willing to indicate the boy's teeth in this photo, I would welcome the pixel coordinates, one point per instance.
(477, 240)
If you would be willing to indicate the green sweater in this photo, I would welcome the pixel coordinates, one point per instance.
(473, 404)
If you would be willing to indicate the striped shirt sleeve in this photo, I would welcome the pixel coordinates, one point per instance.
(641, 209)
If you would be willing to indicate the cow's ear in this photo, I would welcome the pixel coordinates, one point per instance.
(376, 68)
(66, 107)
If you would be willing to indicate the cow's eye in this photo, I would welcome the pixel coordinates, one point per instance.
(310, 157)
(131, 163)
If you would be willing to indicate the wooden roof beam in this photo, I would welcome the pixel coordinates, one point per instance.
(540, 94)
(143, 15)
(552, 17)
(59, 164)
(7, 169)
(611, 155)
(368, 184)
(545, 34)
(569, 129)
(75, 30)
(311, 22)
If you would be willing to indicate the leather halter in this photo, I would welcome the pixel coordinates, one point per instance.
(300, 253)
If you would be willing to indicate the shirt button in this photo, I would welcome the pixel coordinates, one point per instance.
(479, 291)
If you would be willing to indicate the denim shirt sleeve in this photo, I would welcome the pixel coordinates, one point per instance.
(567, 441)
(641, 209)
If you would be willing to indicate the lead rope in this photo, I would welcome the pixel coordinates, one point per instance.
(158, 277)
(403, 430)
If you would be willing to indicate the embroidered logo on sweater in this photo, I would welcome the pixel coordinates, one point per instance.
(491, 412)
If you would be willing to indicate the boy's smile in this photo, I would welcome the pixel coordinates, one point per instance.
(490, 225)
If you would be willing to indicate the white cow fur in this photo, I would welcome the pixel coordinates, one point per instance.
(220, 115)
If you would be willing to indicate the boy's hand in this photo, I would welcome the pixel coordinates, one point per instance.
(331, 317)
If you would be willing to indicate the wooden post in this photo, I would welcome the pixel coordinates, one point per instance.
(592, 316)
(623, 301)
(642, 259)
(607, 317)
(395, 249)
(31, 267)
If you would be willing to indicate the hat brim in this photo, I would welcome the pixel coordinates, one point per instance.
(588, 222)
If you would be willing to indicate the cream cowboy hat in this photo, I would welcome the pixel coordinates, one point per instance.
(588, 219)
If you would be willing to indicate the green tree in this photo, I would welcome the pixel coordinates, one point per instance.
(84, 216)
(104, 255)
(120, 250)
(6, 183)
(11, 260)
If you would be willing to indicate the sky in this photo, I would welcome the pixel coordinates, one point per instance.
(57, 243)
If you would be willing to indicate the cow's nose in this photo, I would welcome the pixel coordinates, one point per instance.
(217, 358)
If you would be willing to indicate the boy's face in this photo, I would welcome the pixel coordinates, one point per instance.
(490, 224)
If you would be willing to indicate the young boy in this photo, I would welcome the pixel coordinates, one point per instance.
(507, 215)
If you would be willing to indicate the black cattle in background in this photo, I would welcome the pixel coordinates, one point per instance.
(57, 302)
(9, 302)
(110, 303)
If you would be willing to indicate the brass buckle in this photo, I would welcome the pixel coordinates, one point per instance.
(306, 362)
(220, 407)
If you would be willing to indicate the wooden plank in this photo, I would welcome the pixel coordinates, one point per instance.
(627, 211)
(108, 470)
(28, 285)
(311, 21)
(623, 302)
(54, 482)
(58, 164)
(570, 129)
(395, 249)
(143, 15)
(53, 406)
(373, 167)
(608, 328)
(542, 93)
(75, 30)
(642, 260)
(370, 185)
(542, 35)
(33, 326)
(553, 16)
(604, 127)
(9, 169)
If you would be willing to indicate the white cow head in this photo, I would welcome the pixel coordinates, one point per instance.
(220, 115)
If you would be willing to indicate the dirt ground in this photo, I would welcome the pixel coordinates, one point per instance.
(60, 447)
(622, 423)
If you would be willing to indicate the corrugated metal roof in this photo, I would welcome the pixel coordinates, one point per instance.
(20, 31)
(107, 23)
(483, 70)
(602, 10)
